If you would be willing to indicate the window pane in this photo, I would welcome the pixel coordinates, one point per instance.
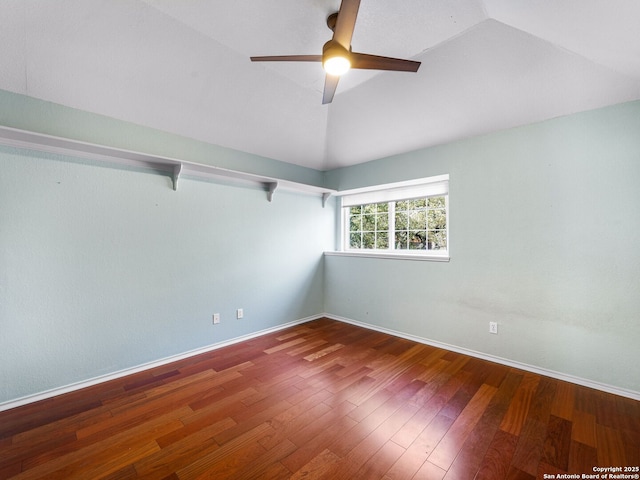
(382, 221)
(369, 229)
(438, 240)
(382, 241)
(356, 210)
(421, 224)
(371, 208)
(368, 240)
(403, 205)
(417, 219)
(418, 240)
(382, 207)
(355, 241)
(435, 202)
(401, 240)
(437, 219)
(402, 221)
(368, 223)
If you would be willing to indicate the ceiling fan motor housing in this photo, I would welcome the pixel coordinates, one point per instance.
(332, 20)
(335, 58)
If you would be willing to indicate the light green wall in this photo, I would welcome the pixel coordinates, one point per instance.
(545, 239)
(103, 269)
(28, 113)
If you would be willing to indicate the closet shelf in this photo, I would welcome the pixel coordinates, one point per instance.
(175, 169)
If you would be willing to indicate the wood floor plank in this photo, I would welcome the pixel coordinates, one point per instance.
(227, 466)
(497, 460)
(276, 471)
(322, 400)
(448, 448)
(430, 437)
(373, 402)
(388, 417)
(316, 438)
(59, 458)
(64, 426)
(293, 419)
(474, 449)
(79, 463)
(233, 451)
(557, 444)
(418, 422)
(10, 469)
(429, 471)
(285, 345)
(460, 399)
(353, 392)
(295, 332)
(217, 407)
(519, 408)
(325, 351)
(317, 467)
(534, 432)
(517, 474)
(307, 346)
(563, 402)
(106, 464)
(611, 448)
(249, 423)
(25, 451)
(582, 458)
(406, 466)
(530, 447)
(175, 455)
(42, 413)
(361, 456)
(259, 465)
(380, 462)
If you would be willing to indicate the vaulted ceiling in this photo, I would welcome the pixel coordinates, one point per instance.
(183, 67)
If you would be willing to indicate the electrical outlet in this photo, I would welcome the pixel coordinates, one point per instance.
(216, 318)
(493, 327)
(240, 313)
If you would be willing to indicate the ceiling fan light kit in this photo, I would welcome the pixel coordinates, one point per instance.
(337, 57)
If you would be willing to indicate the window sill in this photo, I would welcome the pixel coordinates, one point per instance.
(393, 256)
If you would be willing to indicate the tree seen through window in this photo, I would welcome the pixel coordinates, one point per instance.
(414, 224)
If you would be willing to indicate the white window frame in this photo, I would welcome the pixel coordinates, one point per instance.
(423, 187)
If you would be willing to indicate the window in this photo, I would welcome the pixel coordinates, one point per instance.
(407, 219)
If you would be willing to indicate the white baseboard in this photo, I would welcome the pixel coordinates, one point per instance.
(145, 366)
(503, 361)
(163, 361)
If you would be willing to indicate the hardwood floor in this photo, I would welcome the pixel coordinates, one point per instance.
(323, 400)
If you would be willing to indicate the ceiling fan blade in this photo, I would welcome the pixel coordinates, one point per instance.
(375, 62)
(346, 22)
(330, 85)
(288, 58)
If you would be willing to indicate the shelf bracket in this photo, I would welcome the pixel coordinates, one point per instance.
(272, 188)
(172, 168)
(177, 169)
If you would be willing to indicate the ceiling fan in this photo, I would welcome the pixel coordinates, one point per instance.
(337, 57)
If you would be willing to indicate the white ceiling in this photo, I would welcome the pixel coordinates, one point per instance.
(183, 66)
